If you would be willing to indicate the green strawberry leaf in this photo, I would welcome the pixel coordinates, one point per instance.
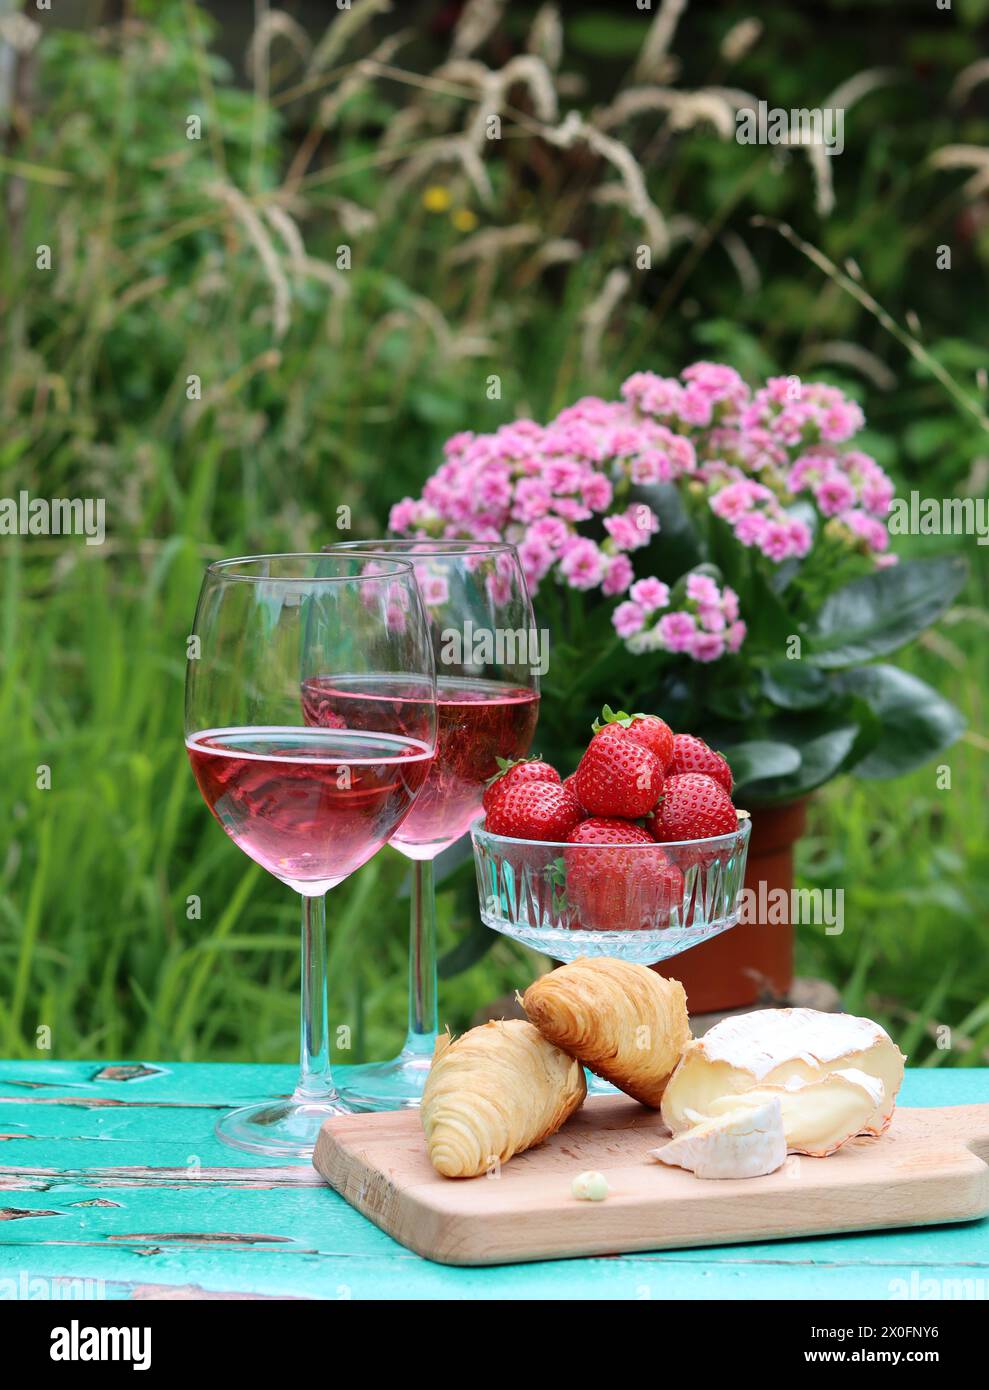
(608, 716)
(556, 875)
(506, 765)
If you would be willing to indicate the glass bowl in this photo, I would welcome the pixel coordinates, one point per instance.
(637, 902)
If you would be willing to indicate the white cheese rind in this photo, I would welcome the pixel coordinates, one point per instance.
(783, 1051)
(766, 1039)
(747, 1142)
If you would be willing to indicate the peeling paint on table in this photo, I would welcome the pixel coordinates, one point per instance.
(111, 1174)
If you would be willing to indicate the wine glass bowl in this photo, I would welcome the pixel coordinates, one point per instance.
(280, 794)
(636, 902)
(478, 721)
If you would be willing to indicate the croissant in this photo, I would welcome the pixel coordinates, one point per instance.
(496, 1091)
(623, 1021)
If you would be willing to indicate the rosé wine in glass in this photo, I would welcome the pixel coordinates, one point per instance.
(310, 806)
(478, 722)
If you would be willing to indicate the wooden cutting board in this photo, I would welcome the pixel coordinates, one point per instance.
(930, 1166)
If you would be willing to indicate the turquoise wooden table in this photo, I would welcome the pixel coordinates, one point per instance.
(111, 1174)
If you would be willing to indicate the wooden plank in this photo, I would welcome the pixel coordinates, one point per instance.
(930, 1166)
(738, 1273)
(327, 1250)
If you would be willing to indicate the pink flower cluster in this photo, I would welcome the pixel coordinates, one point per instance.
(771, 464)
(704, 628)
(757, 517)
(536, 485)
(849, 487)
(761, 452)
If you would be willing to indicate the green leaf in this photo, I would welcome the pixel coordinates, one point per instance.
(820, 760)
(915, 721)
(678, 547)
(825, 743)
(729, 701)
(795, 685)
(760, 758)
(879, 613)
(771, 623)
(610, 716)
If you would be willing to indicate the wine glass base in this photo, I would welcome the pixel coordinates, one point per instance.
(394, 1085)
(280, 1128)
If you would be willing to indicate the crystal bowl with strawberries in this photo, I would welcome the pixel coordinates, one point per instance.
(639, 854)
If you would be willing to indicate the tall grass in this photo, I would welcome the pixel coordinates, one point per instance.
(913, 862)
(98, 944)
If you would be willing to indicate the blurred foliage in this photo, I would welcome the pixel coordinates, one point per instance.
(204, 355)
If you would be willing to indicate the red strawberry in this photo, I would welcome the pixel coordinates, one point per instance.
(613, 884)
(513, 773)
(534, 811)
(647, 729)
(609, 830)
(694, 807)
(692, 754)
(571, 784)
(617, 777)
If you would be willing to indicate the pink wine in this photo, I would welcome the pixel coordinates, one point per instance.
(310, 805)
(477, 722)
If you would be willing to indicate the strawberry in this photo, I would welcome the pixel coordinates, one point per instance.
(570, 784)
(692, 754)
(646, 729)
(510, 774)
(609, 830)
(618, 777)
(613, 883)
(694, 807)
(534, 811)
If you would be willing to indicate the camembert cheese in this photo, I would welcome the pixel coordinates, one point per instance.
(746, 1142)
(834, 1075)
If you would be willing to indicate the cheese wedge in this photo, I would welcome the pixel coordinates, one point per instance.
(791, 1054)
(817, 1116)
(746, 1142)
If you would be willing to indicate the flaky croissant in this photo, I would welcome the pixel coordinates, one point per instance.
(494, 1092)
(623, 1021)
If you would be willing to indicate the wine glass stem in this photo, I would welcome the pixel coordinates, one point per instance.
(315, 1079)
(423, 1012)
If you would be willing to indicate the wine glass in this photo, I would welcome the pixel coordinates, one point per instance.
(488, 660)
(308, 804)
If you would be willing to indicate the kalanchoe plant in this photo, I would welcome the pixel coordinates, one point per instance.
(718, 556)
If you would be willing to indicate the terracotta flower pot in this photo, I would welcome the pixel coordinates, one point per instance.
(753, 960)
